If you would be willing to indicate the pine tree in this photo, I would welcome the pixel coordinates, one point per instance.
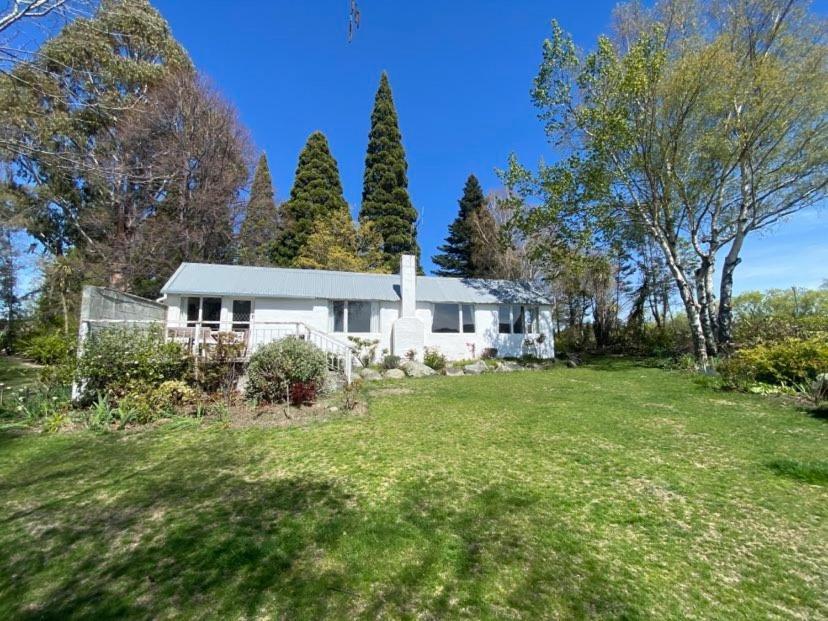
(385, 200)
(260, 228)
(456, 254)
(316, 193)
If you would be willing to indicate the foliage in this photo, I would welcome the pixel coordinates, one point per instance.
(694, 126)
(385, 200)
(260, 227)
(335, 244)
(366, 349)
(351, 395)
(68, 96)
(316, 195)
(455, 258)
(113, 360)
(788, 362)
(434, 359)
(30, 405)
(52, 348)
(145, 403)
(778, 314)
(220, 368)
(276, 368)
(390, 361)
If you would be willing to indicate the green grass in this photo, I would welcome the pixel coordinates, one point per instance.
(616, 492)
(14, 373)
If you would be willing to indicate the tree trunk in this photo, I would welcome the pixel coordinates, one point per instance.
(725, 319)
(691, 306)
(704, 277)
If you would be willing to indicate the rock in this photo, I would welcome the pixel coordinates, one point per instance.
(394, 374)
(475, 368)
(334, 382)
(412, 368)
(370, 375)
(454, 371)
(333, 409)
(508, 366)
(571, 364)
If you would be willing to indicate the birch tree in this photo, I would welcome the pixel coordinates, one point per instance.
(699, 125)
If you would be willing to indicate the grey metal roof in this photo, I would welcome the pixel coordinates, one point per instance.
(273, 282)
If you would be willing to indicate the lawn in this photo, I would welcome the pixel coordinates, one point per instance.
(616, 492)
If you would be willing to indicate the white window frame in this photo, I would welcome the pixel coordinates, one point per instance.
(185, 303)
(460, 306)
(252, 311)
(534, 329)
(373, 327)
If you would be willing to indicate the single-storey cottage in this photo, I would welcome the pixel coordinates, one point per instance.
(462, 318)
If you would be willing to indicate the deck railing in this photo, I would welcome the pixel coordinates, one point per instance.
(199, 339)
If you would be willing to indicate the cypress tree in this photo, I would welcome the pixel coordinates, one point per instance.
(260, 228)
(316, 193)
(456, 254)
(385, 200)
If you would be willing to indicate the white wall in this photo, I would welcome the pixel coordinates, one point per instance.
(315, 313)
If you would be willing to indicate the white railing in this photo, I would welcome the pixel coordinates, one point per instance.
(198, 339)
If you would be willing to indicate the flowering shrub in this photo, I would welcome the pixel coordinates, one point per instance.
(290, 368)
(114, 360)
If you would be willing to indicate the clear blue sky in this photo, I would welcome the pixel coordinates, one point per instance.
(460, 70)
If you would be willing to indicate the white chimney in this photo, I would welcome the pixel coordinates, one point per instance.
(408, 332)
(408, 285)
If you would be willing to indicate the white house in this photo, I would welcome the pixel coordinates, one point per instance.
(460, 317)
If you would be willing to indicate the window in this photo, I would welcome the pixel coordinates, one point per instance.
(339, 316)
(351, 316)
(206, 311)
(504, 321)
(242, 309)
(446, 319)
(518, 319)
(468, 318)
(452, 318)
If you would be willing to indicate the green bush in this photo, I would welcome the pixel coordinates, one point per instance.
(390, 361)
(116, 359)
(789, 362)
(434, 359)
(291, 366)
(52, 348)
(779, 314)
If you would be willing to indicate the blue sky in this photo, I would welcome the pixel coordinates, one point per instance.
(461, 73)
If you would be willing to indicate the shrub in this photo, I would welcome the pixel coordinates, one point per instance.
(53, 348)
(489, 353)
(792, 361)
(390, 362)
(220, 369)
(434, 359)
(365, 349)
(287, 369)
(115, 360)
(779, 314)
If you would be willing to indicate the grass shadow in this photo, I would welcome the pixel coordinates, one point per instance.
(813, 472)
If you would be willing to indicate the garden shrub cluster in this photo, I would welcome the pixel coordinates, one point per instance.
(789, 362)
(290, 369)
(434, 359)
(119, 361)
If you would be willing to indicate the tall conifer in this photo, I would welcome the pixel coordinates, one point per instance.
(260, 228)
(385, 200)
(316, 193)
(456, 255)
